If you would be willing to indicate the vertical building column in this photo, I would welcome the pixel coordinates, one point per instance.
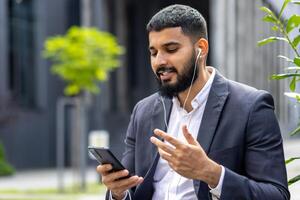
(3, 51)
(224, 36)
(245, 42)
(101, 103)
(86, 13)
(231, 41)
(121, 32)
(41, 69)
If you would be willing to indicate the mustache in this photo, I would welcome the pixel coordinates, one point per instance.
(164, 69)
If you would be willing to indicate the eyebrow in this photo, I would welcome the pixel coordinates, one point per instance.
(167, 44)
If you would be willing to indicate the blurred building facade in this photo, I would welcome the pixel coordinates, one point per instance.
(29, 92)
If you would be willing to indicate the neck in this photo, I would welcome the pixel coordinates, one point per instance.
(185, 98)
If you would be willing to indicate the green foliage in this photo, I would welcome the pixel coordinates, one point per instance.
(294, 180)
(293, 22)
(83, 57)
(285, 27)
(271, 39)
(5, 168)
(291, 159)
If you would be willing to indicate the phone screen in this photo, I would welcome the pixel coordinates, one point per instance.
(105, 156)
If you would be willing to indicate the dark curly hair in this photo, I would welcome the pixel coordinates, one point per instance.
(189, 19)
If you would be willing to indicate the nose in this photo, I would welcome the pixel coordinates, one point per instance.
(160, 60)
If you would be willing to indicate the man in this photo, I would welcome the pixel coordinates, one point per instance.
(202, 136)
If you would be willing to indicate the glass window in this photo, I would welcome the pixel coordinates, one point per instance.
(21, 52)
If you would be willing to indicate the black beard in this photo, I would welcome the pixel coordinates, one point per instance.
(183, 80)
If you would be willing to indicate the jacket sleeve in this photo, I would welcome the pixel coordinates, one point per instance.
(265, 173)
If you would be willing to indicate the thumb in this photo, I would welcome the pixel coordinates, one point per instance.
(188, 136)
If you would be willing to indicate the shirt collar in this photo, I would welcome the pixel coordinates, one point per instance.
(202, 96)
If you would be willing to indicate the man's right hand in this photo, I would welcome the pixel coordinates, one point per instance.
(113, 182)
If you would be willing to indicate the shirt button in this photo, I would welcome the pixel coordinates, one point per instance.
(195, 105)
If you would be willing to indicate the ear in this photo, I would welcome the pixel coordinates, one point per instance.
(203, 45)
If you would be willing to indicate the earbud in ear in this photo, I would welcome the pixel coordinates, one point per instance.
(199, 51)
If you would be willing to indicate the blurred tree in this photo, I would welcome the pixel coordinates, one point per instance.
(82, 58)
(285, 27)
(5, 168)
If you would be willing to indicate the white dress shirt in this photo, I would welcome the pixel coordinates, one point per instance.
(168, 185)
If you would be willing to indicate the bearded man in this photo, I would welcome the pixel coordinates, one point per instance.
(201, 136)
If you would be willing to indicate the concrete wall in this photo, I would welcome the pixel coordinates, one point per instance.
(236, 27)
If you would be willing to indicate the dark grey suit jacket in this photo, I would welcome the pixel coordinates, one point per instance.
(239, 130)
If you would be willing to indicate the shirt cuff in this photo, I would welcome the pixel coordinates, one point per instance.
(111, 197)
(218, 189)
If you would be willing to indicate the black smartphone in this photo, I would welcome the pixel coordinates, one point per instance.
(105, 156)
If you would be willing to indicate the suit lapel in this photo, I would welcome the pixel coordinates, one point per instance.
(158, 115)
(145, 190)
(213, 109)
(161, 113)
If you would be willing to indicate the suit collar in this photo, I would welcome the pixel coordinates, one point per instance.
(214, 106)
(211, 116)
(160, 113)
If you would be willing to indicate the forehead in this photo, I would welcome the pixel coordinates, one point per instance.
(166, 36)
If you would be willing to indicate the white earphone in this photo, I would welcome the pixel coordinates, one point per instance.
(199, 52)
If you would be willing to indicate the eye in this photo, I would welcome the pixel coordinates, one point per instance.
(171, 50)
(153, 53)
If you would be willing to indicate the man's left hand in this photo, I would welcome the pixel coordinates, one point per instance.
(187, 159)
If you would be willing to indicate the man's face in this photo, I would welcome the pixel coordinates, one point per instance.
(172, 59)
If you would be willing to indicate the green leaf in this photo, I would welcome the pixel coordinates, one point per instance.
(269, 18)
(283, 76)
(297, 61)
(267, 10)
(283, 7)
(275, 28)
(72, 89)
(294, 180)
(296, 41)
(293, 95)
(292, 68)
(286, 58)
(293, 22)
(291, 159)
(270, 39)
(296, 2)
(293, 84)
(101, 74)
(296, 130)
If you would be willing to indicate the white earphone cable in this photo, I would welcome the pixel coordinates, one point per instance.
(195, 67)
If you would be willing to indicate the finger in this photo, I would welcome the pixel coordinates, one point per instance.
(128, 183)
(104, 169)
(165, 155)
(167, 148)
(188, 136)
(121, 186)
(135, 183)
(113, 176)
(167, 137)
